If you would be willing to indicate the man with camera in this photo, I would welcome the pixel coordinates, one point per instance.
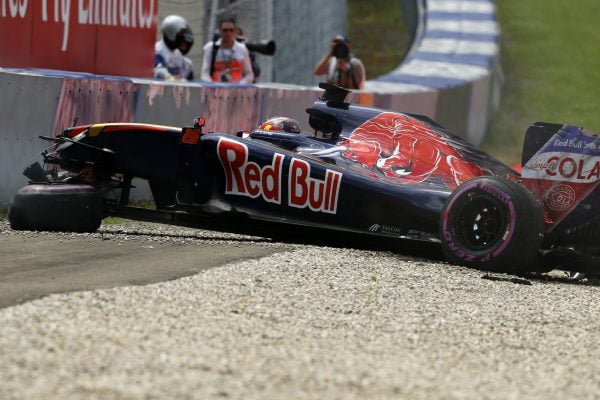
(226, 59)
(341, 67)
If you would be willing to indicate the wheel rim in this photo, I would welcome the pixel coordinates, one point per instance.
(481, 223)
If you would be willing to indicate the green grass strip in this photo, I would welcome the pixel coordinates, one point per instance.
(378, 33)
(551, 60)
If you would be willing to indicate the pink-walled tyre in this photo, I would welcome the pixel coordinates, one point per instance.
(56, 207)
(492, 223)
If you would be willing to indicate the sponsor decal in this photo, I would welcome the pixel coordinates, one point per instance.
(563, 167)
(560, 197)
(571, 143)
(79, 35)
(124, 13)
(247, 178)
(375, 228)
(459, 252)
(571, 139)
(304, 191)
(500, 195)
(564, 171)
(387, 229)
(15, 8)
(549, 165)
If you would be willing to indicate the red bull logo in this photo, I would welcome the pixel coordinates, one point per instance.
(405, 148)
(315, 194)
(247, 178)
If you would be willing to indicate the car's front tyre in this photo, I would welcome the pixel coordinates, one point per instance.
(56, 207)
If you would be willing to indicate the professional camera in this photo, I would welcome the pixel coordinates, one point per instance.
(341, 50)
(265, 47)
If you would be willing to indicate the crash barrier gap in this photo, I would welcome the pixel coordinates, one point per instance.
(451, 74)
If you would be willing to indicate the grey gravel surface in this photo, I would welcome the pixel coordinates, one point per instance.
(312, 322)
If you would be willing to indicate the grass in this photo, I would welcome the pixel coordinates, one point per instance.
(549, 55)
(113, 220)
(550, 58)
(378, 34)
(149, 204)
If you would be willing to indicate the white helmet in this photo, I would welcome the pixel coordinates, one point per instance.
(171, 26)
(175, 30)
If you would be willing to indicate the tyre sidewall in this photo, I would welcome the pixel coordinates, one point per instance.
(520, 239)
(70, 208)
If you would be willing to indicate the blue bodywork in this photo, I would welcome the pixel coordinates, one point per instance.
(347, 195)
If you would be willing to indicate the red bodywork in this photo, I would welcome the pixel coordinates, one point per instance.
(407, 149)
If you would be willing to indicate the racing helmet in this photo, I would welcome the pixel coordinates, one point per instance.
(176, 32)
(284, 124)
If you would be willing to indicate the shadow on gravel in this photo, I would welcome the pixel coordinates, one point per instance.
(194, 236)
(281, 231)
(318, 237)
(269, 232)
(432, 251)
(564, 279)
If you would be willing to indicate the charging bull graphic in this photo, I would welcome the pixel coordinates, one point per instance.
(406, 149)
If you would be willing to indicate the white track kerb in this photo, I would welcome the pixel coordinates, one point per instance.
(451, 74)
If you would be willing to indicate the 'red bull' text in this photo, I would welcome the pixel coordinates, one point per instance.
(247, 178)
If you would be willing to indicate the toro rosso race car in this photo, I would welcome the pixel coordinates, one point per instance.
(363, 172)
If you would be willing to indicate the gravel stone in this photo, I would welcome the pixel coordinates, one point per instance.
(313, 323)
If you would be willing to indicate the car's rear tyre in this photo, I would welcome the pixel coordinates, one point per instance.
(492, 223)
(56, 207)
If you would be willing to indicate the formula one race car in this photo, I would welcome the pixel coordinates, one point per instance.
(364, 172)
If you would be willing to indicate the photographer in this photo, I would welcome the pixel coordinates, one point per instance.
(341, 67)
(226, 59)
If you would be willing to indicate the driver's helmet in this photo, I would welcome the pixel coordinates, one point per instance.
(283, 124)
(176, 31)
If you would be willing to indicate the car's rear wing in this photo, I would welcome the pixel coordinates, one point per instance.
(561, 167)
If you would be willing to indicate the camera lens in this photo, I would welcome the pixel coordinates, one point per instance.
(341, 50)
